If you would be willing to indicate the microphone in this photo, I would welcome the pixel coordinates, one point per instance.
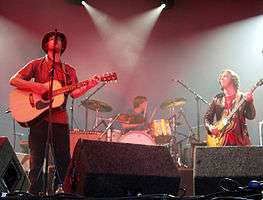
(55, 49)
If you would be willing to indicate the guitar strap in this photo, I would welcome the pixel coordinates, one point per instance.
(239, 119)
(64, 73)
(41, 63)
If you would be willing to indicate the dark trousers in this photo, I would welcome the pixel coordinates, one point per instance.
(37, 144)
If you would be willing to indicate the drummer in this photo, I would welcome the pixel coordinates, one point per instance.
(136, 118)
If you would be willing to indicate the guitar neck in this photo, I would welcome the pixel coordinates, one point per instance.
(241, 102)
(70, 88)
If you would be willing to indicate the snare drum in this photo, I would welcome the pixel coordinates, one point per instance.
(137, 137)
(160, 127)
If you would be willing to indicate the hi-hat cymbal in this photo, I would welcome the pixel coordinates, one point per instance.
(96, 105)
(173, 103)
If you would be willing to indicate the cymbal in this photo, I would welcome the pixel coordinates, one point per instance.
(96, 105)
(130, 119)
(177, 102)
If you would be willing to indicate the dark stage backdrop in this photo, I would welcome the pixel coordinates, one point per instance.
(193, 42)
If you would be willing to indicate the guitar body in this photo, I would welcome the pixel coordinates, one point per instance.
(213, 141)
(27, 107)
(224, 126)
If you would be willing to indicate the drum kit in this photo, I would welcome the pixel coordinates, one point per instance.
(158, 132)
(159, 127)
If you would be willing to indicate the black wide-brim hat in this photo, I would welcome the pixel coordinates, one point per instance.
(50, 34)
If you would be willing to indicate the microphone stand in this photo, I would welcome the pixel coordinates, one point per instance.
(72, 114)
(14, 129)
(198, 97)
(49, 141)
(14, 134)
(87, 98)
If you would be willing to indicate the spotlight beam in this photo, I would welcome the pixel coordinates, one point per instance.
(125, 39)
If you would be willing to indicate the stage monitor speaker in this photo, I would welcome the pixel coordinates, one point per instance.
(104, 169)
(212, 165)
(12, 175)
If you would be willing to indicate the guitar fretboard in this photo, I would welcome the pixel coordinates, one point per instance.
(241, 102)
(70, 88)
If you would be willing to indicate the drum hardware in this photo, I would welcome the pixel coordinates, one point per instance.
(97, 125)
(153, 114)
(108, 130)
(98, 107)
(198, 97)
(23, 148)
(105, 119)
(191, 137)
(102, 121)
(182, 114)
(15, 134)
(83, 103)
(176, 115)
(171, 105)
(179, 149)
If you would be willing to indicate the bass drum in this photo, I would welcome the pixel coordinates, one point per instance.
(137, 137)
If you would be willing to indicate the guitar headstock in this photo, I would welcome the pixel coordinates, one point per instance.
(260, 82)
(109, 77)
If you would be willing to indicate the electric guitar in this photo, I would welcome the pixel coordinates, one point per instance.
(27, 107)
(227, 123)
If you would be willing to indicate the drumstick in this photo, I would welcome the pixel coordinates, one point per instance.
(153, 113)
(144, 112)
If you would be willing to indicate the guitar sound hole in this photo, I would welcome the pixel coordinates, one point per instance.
(45, 96)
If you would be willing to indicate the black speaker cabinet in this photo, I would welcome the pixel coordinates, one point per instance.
(12, 175)
(103, 169)
(211, 165)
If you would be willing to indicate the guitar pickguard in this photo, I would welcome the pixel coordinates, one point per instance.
(41, 105)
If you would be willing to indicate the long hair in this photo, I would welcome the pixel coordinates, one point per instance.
(234, 78)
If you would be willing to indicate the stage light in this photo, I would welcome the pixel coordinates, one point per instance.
(83, 3)
(163, 5)
(167, 4)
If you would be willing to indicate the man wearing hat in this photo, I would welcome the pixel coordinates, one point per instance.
(38, 70)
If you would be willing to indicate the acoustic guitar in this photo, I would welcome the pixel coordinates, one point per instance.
(27, 107)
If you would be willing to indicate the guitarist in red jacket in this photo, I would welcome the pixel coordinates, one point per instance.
(236, 133)
(32, 77)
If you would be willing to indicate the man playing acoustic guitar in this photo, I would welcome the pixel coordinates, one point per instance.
(230, 128)
(39, 71)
